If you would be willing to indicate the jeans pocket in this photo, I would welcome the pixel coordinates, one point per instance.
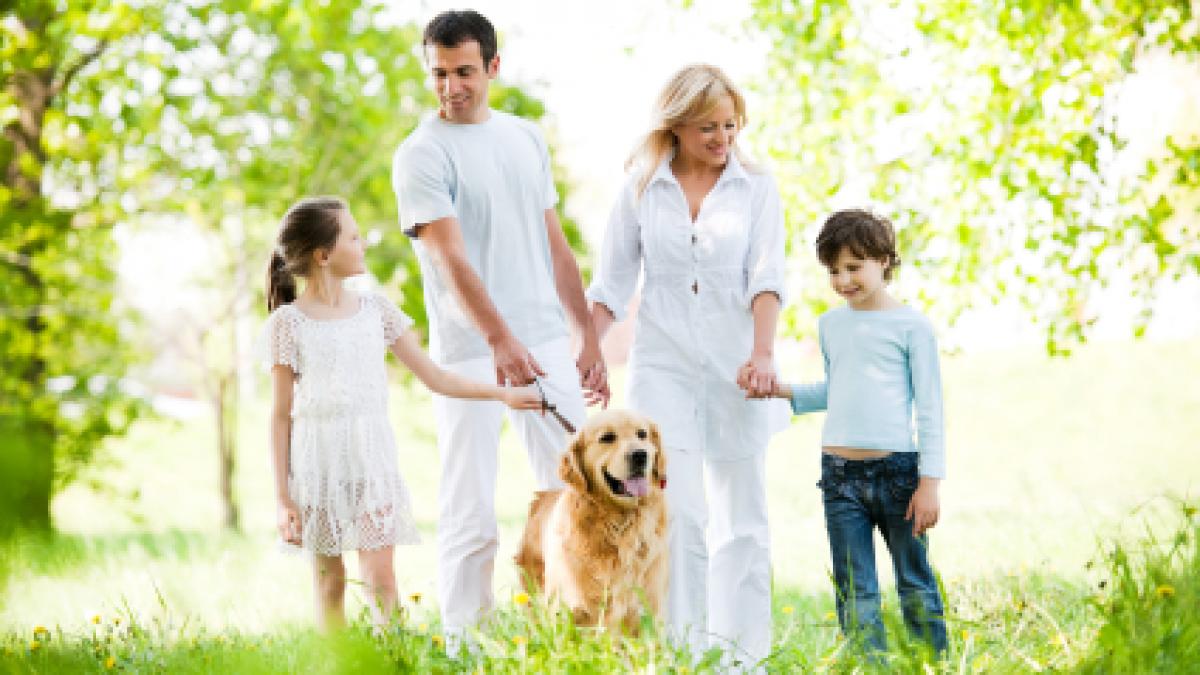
(900, 489)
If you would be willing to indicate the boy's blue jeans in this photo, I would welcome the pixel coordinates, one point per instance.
(859, 496)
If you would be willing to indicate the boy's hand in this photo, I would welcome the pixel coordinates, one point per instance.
(923, 508)
(751, 380)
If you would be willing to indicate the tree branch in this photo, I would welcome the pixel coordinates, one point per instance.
(79, 65)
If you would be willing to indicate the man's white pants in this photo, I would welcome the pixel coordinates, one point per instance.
(735, 578)
(468, 435)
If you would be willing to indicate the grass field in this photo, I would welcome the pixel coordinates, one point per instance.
(1052, 463)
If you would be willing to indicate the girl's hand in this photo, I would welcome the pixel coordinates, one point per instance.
(287, 519)
(923, 508)
(521, 398)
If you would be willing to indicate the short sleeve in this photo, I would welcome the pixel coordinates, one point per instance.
(421, 181)
(551, 191)
(395, 322)
(279, 342)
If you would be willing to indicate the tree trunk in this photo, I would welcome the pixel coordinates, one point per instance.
(226, 405)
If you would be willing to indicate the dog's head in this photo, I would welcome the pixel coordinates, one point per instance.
(617, 456)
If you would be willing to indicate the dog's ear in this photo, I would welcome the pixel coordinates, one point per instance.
(570, 469)
(660, 455)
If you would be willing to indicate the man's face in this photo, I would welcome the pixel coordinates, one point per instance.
(460, 79)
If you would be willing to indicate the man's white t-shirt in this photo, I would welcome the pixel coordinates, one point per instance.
(495, 178)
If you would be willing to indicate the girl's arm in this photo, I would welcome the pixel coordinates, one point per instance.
(441, 381)
(288, 516)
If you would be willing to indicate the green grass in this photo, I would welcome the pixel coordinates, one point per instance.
(1055, 466)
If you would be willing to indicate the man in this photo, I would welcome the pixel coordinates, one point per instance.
(475, 193)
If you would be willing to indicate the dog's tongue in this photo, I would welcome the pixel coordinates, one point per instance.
(637, 487)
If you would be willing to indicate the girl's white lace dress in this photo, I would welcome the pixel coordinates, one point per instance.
(342, 473)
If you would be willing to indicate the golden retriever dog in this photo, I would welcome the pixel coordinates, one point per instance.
(599, 546)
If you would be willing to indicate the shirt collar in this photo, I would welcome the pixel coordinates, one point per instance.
(733, 170)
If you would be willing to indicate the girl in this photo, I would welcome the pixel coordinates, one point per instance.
(706, 229)
(336, 479)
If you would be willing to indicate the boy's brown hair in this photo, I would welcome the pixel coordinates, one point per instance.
(866, 235)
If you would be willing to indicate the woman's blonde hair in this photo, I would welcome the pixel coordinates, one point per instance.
(690, 94)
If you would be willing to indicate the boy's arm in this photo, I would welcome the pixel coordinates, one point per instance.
(926, 381)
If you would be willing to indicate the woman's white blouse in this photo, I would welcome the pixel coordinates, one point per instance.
(694, 326)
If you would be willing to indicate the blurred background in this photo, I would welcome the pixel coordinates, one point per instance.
(1041, 162)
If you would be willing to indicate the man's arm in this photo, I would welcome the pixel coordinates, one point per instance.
(514, 363)
(592, 373)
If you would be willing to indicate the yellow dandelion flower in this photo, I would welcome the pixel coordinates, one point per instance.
(518, 640)
(423, 627)
(438, 640)
(34, 645)
(788, 609)
(110, 662)
(41, 630)
(966, 635)
(416, 598)
(1165, 591)
(1189, 510)
(96, 619)
(117, 620)
(830, 616)
(521, 598)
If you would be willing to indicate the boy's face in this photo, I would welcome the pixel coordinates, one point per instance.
(858, 280)
(460, 79)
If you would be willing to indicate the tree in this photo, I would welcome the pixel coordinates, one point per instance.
(218, 113)
(990, 133)
(62, 357)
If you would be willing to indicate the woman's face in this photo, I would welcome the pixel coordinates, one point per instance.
(709, 139)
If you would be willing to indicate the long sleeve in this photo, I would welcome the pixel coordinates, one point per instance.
(616, 275)
(812, 396)
(927, 400)
(765, 254)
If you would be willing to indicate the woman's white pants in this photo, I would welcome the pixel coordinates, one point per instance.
(720, 589)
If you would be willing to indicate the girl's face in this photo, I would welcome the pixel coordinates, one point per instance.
(345, 259)
(709, 139)
(859, 280)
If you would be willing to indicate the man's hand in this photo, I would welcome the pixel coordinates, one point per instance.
(923, 508)
(514, 364)
(593, 374)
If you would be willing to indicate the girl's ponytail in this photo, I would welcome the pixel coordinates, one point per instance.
(281, 283)
(311, 224)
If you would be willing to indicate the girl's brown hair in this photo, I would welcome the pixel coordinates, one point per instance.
(311, 224)
(864, 233)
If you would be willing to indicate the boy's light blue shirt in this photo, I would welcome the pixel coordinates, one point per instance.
(881, 376)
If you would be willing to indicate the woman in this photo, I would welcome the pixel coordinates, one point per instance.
(706, 228)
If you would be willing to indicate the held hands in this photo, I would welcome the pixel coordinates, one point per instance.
(514, 364)
(758, 379)
(287, 519)
(923, 508)
(593, 375)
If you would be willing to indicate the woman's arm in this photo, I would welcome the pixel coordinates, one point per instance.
(441, 381)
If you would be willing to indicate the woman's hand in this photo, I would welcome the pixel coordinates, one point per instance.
(757, 377)
(287, 519)
(521, 398)
(923, 508)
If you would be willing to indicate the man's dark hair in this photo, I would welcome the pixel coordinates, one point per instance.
(453, 27)
(864, 233)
